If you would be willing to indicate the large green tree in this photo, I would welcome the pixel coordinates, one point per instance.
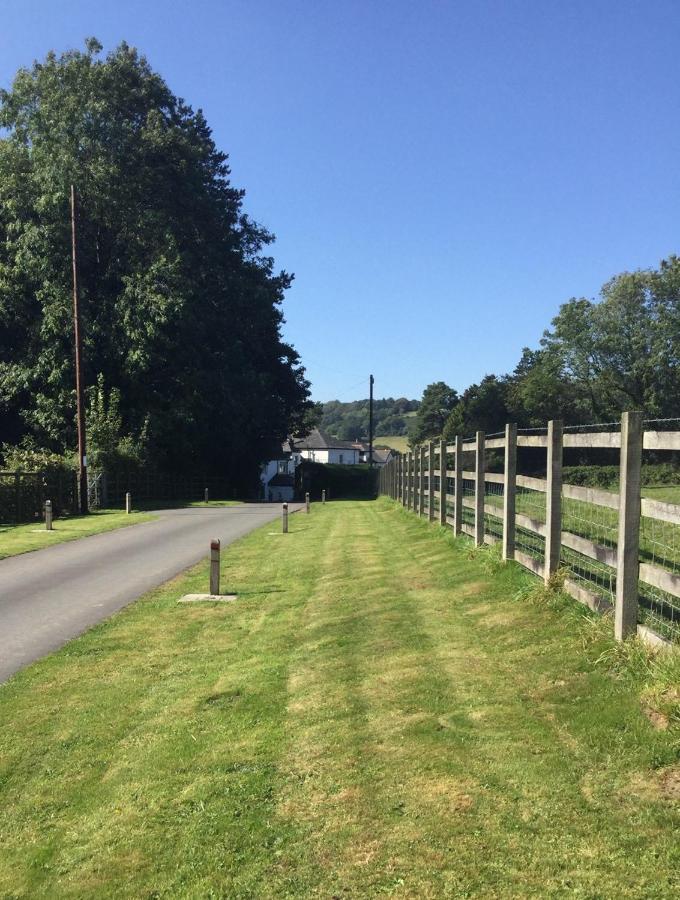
(439, 400)
(623, 352)
(181, 306)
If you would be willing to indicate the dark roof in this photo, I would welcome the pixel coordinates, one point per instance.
(281, 480)
(382, 454)
(320, 440)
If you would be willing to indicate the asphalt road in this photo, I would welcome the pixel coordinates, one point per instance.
(49, 596)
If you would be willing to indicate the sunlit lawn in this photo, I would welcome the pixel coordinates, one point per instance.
(22, 538)
(380, 712)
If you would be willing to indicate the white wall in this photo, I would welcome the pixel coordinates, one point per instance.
(350, 456)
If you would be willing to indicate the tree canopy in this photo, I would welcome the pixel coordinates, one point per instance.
(181, 306)
(598, 359)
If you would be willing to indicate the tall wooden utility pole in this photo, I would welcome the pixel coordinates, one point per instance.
(80, 381)
(370, 422)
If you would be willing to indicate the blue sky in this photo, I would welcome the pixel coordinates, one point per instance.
(440, 175)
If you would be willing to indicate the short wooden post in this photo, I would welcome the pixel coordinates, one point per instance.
(458, 482)
(421, 481)
(206, 496)
(628, 548)
(307, 503)
(284, 518)
(442, 482)
(214, 567)
(430, 481)
(509, 491)
(553, 500)
(479, 489)
(323, 496)
(48, 515)
(128, 502)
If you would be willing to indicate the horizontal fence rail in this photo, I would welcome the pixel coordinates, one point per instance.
(614, 550)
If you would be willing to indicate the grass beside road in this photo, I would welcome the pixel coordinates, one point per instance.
(16, 539)
(380, 712)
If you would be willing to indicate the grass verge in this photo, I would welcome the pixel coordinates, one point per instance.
(16, 539)
(381, 711)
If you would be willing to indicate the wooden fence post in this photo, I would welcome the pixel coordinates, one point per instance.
(404, 459)
(442, 482)
(409, 484)
(421, 481)
(430, 481)
(509, 491)
(628, 547)
(215, 567)
(553, 500)
(415, 479)
(458, 481)
(479, 489)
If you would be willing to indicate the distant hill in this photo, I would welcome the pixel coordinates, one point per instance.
(349, 421)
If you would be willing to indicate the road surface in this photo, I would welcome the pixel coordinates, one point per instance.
(49, 596)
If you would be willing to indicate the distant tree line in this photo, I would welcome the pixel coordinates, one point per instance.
(350, 421)
(181, 305)
(599, 358)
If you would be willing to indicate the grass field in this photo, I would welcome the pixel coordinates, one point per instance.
(22, 538)
(395, 441)
(381, 712)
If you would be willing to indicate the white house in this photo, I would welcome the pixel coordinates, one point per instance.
(278, 475)
(322, 448)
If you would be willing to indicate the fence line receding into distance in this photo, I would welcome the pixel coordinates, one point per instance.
(616, 549)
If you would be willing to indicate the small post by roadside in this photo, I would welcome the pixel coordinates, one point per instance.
(207, 496)
(323, 496)
(48, 515)
(284, 518)
(307, 503)
(214, 567)
(128, 502)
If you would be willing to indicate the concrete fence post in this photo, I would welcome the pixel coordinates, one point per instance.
(307, 503)
(430, 481)
(128, 502)
(323, 497)
(48, 515)
(628, 547)
(284, 518)
(509, 491)
(214, 567)
(206, 496)
(553, 500)
(479, 488)
(458, 482)
(442, 482)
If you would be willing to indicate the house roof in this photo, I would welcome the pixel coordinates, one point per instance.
(381, 454)
(320, 440)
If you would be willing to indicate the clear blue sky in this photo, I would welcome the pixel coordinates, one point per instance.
(440, 175)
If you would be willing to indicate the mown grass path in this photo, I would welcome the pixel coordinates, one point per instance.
(377, 714)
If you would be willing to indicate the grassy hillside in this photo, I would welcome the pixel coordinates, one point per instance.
(381, 711)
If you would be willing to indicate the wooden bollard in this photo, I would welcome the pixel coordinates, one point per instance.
(214, 567)
(323, 496)
(284, 518)
(128, 503)
(307, 503)
(206, 496)
(48, 515)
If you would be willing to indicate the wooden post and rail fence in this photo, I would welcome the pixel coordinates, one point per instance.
(611, 549)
